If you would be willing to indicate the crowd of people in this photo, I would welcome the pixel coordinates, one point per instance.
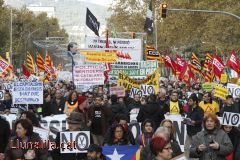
(107, 117)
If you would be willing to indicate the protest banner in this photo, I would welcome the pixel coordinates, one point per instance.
(27, 93)
(129, 83)
(231, 119)
(64, 75)
(104, 57)
(43, 133)
(144, 90)
(90, 74)
(223, 78)
(207, 86)
(118, 90)
(234, 90)
(221, 92)
(129, 49)
(2, 92)
(75, 141)
(137, 70)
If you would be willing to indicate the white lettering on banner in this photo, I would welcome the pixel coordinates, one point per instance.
(218, 64)
(27, 93)
(231, 119)
(89, 74)
(75, 142)
(233, 59)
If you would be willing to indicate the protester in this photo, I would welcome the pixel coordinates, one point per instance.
(58, 103)
(24, 134)
(161, 148)
(117, 136)
(208, 104)
(47, 105)
(229, 106)
(4, 135)
(100, 117)
(147, 133)
(193, 121)
(174, 105)
(169, 125)
(233, 133)
(151, 111)
(31, 117)
(211, 143)
(71, 103)
(117, 108)
(94, 152)
(136, 103)
(75, 123)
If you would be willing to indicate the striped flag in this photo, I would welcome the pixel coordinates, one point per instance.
(195, 65)
(207, 68)
(40, 63)
(5, 67)
(153, 54)
(49, 68)
(30, 63)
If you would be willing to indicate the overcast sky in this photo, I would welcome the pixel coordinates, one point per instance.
(102, 2)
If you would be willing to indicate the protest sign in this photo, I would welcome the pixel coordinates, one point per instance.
(89, 74)
(231, 119)
(118, 90)
(27, 93)
(128, 83)
(75, 141)
(223, 78)
(2, 95)
(129, 49)
(207, 86)
(221, 92)
(234, 90)
(144, 90)
(94, 56)
(64, 75)
(43, 133)
(137, 70)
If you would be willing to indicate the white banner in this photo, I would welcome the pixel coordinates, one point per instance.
(43, 133)
(144, 90)
(89, 75)
(74, 142)
(231, 119)
(234, 90)
(27, 93)
(130, 48)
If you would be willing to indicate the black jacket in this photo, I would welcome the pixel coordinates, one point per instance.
(151, 111)
(195, 114)
(233, 108)
(118, 108)
(56, 155)
(4, 134)
(57, 108)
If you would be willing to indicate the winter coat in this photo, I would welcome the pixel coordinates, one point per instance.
(118, 108)
(151, 111)
(12, 153)
(4, 134)
(204, 137)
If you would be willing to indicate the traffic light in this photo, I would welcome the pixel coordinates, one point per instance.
(133, 35)
(164, 10)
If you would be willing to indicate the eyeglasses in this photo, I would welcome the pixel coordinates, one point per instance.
(168, 148)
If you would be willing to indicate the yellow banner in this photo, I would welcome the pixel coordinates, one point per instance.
(128, 83)
(221, 92)
(93, 56)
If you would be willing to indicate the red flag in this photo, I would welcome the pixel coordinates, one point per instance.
(169, 62)
(181, 66)
(218, 66)
(25, 71)
(233, 62)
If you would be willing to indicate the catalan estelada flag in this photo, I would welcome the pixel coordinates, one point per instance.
(30, 63)
(40, 63)
(121, 152)
(5, 67)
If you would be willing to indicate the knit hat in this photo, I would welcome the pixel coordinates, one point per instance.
(75, 118)
(81, 99)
